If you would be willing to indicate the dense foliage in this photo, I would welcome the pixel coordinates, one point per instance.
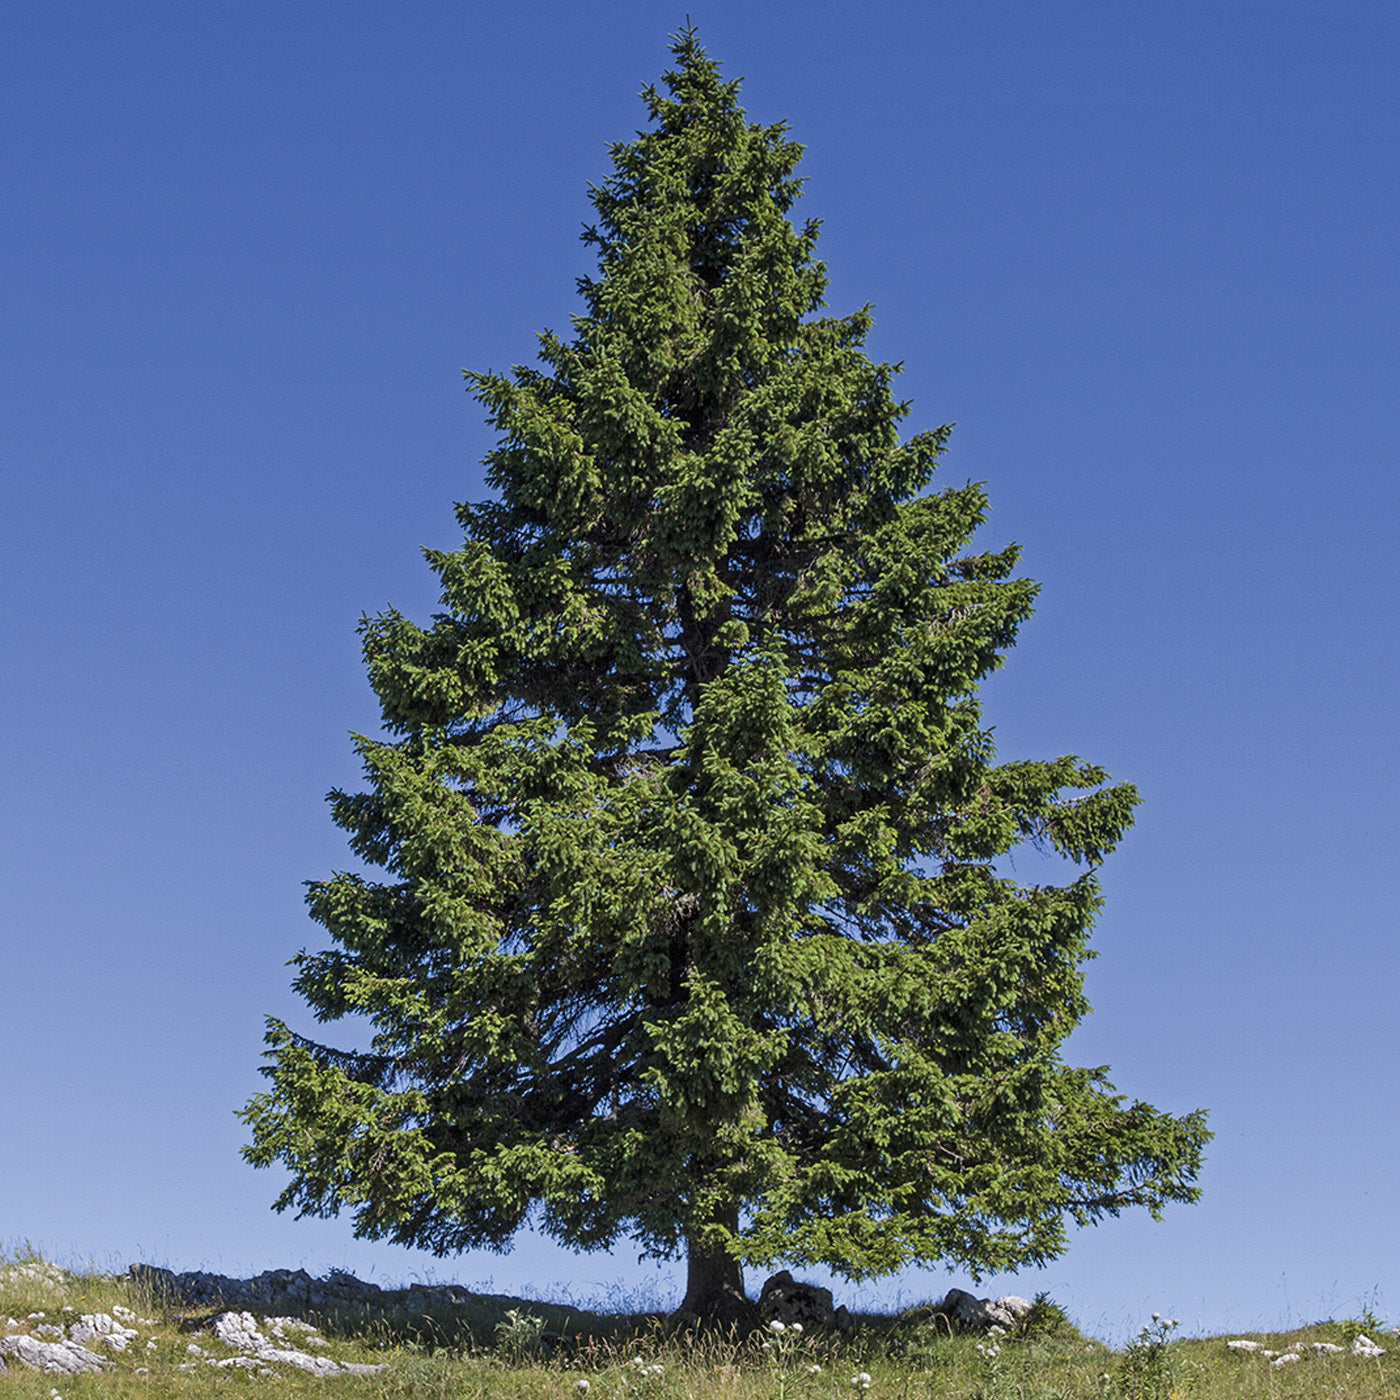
(693, 927)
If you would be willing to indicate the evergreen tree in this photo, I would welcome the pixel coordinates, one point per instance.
(693, 928)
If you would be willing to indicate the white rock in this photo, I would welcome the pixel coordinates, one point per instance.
(57, 1358)
(1286, 1359)
(240, 1332)
(1017, 1307)
(1364, 1346)
(1243, 1344)
(1325, 1348)
(92, 1326)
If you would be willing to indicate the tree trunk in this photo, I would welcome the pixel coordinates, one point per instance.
(714, 1285)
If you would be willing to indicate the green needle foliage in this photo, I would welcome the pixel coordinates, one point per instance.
(692, 927)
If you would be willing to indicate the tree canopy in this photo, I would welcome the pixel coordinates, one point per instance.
(692, 923)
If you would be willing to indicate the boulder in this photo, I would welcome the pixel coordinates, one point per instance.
(962, 1310)
(788, 1300)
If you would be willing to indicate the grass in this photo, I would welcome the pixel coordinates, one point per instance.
(538, 1351)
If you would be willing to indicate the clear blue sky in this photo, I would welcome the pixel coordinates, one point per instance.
(1145, 256)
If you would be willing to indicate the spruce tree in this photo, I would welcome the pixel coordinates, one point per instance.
(694, 926)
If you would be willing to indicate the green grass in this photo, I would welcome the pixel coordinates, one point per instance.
(549, 1352)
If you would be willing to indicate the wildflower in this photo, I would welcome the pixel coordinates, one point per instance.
(814, 1369)
(861, 1380)
(797, 1328)
(776, 1326)
(582, 1387)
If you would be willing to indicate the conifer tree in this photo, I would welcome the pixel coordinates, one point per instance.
(692, 927)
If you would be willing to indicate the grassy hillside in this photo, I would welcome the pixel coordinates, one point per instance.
(514, 1348)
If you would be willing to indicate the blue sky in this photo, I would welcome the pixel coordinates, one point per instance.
(1144, 256)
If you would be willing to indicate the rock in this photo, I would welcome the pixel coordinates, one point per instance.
(92, 1326)
(57, 1358)
(1287, 1359)
(47, 1275)
(1326, 1348)
(1242, 1344)
(787, 1300)
(1364, 1346)
(269, 1288)
(240, 1332)
(961, 1309)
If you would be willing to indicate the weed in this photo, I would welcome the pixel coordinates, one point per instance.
(1148, 1370)
(518, 1337)
(1047, 1321)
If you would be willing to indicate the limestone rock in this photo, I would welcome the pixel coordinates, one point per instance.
(241, 1333)
(57, 1358)
(100, 1326)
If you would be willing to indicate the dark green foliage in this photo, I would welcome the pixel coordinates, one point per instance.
(1047, 1321)
(692, 927)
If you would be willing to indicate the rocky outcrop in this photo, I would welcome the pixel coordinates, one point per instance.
(60, 1358)
(296, 1288)
(60, 1349)
(241, 1334)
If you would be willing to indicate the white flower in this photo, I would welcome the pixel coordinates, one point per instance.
(582, 1387)
(861, 1381)
(797, 1327)
(814, 1370)
(776, 1326)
